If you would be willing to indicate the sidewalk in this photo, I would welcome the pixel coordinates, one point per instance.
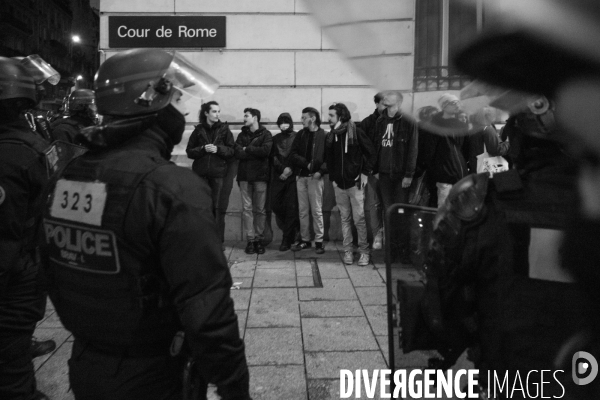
(297, 336)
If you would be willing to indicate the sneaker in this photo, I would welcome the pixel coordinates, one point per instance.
(285, 246)
(299, 245)
(258, 247)
(319, 248)
(364, 260)
(250, 248)
(378, 241)
(349, 258)
(41, 348)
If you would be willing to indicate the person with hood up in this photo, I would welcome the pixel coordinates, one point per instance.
(284, 195)
(211, 145)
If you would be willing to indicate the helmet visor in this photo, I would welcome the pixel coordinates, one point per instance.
(189, 79)
(40, 70)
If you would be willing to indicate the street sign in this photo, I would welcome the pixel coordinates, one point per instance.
(166, 32)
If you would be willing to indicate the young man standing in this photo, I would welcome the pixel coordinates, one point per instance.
(372, 195)
(211, 146)
(443, 155)
(397, 147)
(308, 156)
(350, 156)
(253, 146)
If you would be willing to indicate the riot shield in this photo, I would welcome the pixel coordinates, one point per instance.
(405, 281)
(60, 153)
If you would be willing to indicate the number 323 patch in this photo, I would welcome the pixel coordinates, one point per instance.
(79, 201)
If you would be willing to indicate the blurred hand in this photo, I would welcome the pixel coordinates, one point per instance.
(363, 180)
(406, 182)
(309, 165)
(317, 175)
(210, 148)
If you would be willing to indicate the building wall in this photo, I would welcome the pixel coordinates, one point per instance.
(278, 60)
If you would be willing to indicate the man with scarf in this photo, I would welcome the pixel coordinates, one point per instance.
(284, 195)
(134, 262)
(350, 156)
(396, 147)
(211, 145)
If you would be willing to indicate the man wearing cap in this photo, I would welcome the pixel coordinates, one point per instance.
(443, 154)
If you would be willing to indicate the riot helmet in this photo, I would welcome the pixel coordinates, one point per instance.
(142, 81)
(18, 81)
(83, 101)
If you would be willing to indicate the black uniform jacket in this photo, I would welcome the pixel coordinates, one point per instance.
(213, 165)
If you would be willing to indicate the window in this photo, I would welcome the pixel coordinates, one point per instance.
(441, 28)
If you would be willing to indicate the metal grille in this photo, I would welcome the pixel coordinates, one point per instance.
(438, 78)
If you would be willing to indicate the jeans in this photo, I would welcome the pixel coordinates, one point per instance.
(216, 186)
(392, 192)
(443, 190)
(373, 205)
(351, 203)
(284, 203)
(254, 197)
(310, 196)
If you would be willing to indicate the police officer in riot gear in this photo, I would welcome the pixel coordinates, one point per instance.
(551, 47)
(134, 256)
(81, 113)
(23, 178)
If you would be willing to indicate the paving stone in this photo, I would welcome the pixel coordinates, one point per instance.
(238, 254)
(332, 269)
(365, 277)
(343, 308)
(327, 365)
(59, 335)
(372, 296)
(243, 269)
(337, 334)
(274, 346)
(330, 253)
(274, 308)
(53, 377)
(333, 289)
(303, 268)
(268, 264)
(305, 282)
(242, 317)
(273, 253)
(53, 321)
(241, 299)
(275, 277)
(327, 389)
(377, 316)
(278, 383)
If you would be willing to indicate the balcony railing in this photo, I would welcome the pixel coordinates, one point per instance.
(428, 79)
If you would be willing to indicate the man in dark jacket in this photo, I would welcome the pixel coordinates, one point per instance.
(211, 145)
(444, 154)
(148, 267)
(308, 158)
(82, 112)
(253, 147)
(284, 196)
(396, 146)
(350, 156)
(372, 194)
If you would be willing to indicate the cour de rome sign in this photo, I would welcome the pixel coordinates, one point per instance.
(166, 31)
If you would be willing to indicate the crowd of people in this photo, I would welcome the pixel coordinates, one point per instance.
(377, 161)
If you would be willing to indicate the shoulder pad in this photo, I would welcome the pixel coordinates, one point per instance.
(465, 200)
